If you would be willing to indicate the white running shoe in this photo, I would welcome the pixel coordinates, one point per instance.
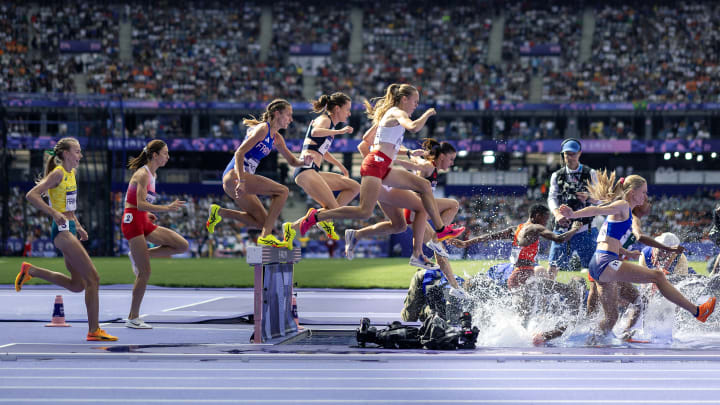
(132, 262)
(350, 243)
(137, 323)
(438, 248)
(423, 263)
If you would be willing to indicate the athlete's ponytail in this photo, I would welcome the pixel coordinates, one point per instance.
(606, 189)
(276, 105)
(435, 149)
(327, 103)
(56, 155)
(155, 146)
(377, 107)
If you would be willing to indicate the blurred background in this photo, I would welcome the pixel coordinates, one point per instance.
(637, 82)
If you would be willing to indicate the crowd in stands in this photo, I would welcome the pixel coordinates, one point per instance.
(208, 51)
(687, 216)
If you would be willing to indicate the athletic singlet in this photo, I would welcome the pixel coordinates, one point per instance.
(393, 135)
(131, 195)
(63, 197)
(525, 253)
(257, 153)
(319, 144)
(620, 230)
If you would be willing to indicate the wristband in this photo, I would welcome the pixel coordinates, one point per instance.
(408, 154)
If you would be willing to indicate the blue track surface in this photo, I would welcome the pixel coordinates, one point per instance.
(179, 362)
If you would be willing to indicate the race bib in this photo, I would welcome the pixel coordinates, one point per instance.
(615, 265)
(250, 165)
(65, 227)
(71, 200)
(128, 218)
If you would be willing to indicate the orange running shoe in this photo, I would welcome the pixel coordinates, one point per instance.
(100, 335)
(23, 276)
(705, 310)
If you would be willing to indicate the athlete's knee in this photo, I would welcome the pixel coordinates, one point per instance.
(424, 186)
(398, 227)
(366, 211)
(282, 191)
(181, 246)
(77, 285)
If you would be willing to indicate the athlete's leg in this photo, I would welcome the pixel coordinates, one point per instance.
(259, 185)
(141, 257)
(169, 242)
(347, 187)
(81, 267)
(406, 180)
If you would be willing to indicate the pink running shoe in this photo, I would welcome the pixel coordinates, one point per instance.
(308, 222)
(450, 232)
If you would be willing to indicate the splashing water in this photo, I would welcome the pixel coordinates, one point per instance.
(511, 319)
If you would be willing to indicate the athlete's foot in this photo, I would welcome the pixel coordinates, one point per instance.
(309, 220)
(288, 234)
(705, 310)
(100, 335)
(23, 276)
(213, 219)
(329, 228)
(450, 231)
(271, 240)
(423, 262)
(438, 248)
(350, 242)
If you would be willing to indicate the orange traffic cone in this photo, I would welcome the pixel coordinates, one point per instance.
(58, 316)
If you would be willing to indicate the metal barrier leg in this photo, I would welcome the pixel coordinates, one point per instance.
(273, 288)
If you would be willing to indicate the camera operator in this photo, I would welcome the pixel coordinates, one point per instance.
(568, 186)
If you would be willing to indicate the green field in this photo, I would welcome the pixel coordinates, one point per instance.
(317, 273)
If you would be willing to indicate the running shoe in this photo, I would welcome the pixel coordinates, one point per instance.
(100, 335)
(132, 263)
(271, 240)
(329, 228)
(423, 262)
(706, 309)
(450, 232)
(307, 222)
(23, 276)
(288, 234)
(438, 248)
(350, 242)
(213, 219)
(137, 323)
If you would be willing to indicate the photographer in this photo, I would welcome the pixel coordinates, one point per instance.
(569, 186)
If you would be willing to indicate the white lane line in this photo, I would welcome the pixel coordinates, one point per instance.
(316, 378)
(7, 345)
(193, 304)
(358, 388)
(369, 370)
(356, 401)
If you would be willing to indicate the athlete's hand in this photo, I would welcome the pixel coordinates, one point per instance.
(538, 339)
(430, 112)
(60, 218)
(348, 130)
(307, 160)
(677, 249)
(152, 217)
(82, 233)
(345, 171)
(418, 152)
(176, 205)
(566, 211)
(458, 243)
